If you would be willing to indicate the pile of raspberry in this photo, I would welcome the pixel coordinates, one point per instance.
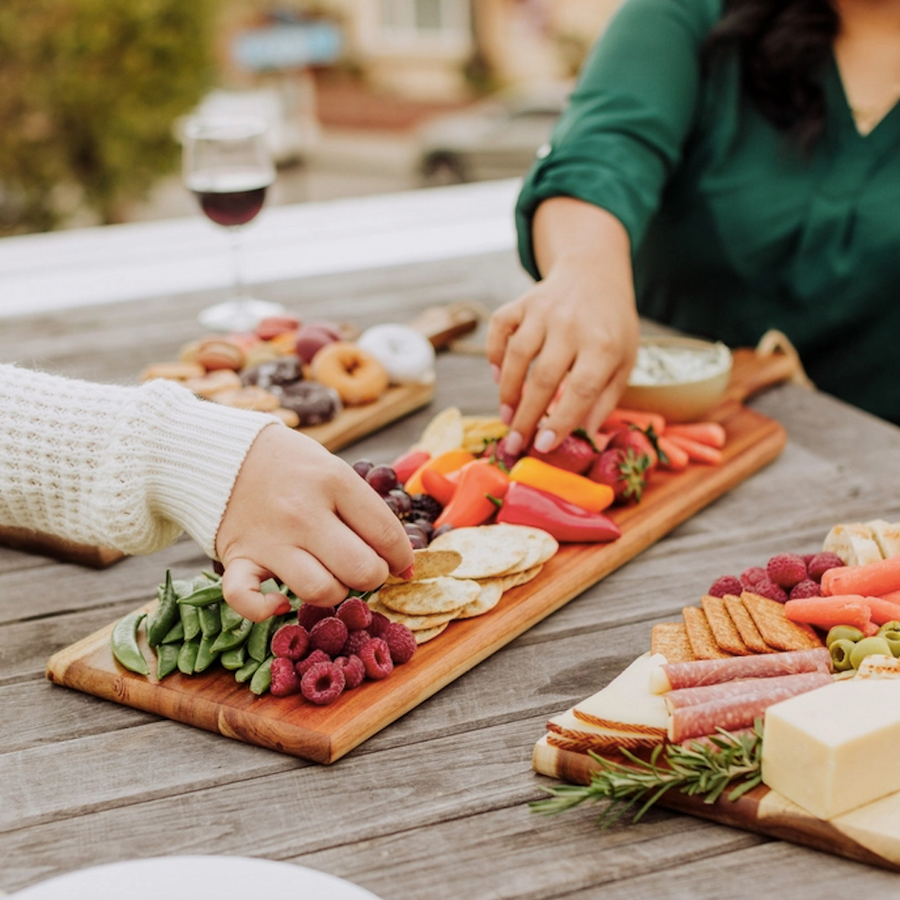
(333, 649)
(786, 576)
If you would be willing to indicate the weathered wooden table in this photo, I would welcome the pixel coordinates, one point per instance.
(435, 805)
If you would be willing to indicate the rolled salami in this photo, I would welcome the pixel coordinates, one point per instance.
(673, 676)
(708, 693)
(738, 711)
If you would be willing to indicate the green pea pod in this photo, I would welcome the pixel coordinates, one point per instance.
(235, 658)
(166, 659)
(210, 620)
(125, 646)
(262, 677)
(260, 635)
(187, 656)
(190, 620)
(166, 614)
(269, 586)
(247, 671)
(230, 618)
(228, 640)
(175, 635)
(205, 655)
(212, 593)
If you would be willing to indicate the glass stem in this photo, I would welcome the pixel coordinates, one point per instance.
(240, 291)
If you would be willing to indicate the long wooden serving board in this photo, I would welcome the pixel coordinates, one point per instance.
(869, 834)
(214, 701)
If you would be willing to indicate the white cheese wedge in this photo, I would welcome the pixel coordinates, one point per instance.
(627, 701)
(834, 748)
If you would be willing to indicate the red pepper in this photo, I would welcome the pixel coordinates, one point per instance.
(526, 505)
(407, 463)
(481, 486)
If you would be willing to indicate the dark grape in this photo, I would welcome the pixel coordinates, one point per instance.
(362, 467)
(415, 532)
(425, 524)
(442, 530)
(393, 504)
(382, 478)
(404, 503)
(417, 543)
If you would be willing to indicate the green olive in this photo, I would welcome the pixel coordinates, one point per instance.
(869, 646)
(843, 632)
(893, 625)
(840, 654)
(892, 636)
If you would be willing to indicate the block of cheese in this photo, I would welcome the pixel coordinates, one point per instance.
(835, 748)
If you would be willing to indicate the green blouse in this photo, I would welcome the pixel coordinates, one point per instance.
(735, 231)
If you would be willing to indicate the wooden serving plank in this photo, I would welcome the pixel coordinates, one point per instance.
(869, 834)
(215, 702)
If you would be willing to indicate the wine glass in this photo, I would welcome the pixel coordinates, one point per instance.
(228, 167)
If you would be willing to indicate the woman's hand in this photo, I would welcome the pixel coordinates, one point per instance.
(302, 515)
(573, 337)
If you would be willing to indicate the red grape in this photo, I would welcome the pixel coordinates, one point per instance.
(362, 467)
(382, 478)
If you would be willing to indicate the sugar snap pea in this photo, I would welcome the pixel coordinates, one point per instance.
(262, 677)
(210, 620)
(228, 640)
(230, 618)
(235, 658)
(247, 671)
(205, 655)
(166, 659)
(190, 620)
(203, 596)
(260, 635)
(187, 656)
(165, 615)
(175, 635)
(125, 646)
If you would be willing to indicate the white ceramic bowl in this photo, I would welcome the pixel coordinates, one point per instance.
(682, 379)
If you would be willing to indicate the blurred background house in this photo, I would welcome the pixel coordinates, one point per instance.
(363, 96)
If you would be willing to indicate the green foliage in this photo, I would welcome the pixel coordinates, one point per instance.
(89, 92)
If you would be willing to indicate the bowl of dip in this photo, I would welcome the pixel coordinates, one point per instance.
(680, 378)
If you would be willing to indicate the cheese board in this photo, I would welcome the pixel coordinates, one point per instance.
(214, 701)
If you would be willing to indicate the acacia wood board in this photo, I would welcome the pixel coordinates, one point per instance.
(215, 702)
(869, 834)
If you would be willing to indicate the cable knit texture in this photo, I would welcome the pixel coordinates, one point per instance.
(123, 467)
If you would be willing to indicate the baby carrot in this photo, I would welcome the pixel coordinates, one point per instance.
(710, 433)
(621, 418)
(676, 456)
(883, 610)
(697, 452)
(873, 580)
(826, 612)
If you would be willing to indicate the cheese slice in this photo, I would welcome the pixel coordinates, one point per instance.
(835, 748)
(626, 703)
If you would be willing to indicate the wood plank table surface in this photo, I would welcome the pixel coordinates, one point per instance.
(436, 804)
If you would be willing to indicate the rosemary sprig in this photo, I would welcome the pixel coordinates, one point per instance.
(699, 769)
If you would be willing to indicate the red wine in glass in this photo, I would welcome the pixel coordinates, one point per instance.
(230, 197)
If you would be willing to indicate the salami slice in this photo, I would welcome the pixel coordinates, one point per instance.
(694, 696)
(732, 713)
(673, 676)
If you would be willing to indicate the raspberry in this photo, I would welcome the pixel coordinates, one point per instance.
(805, 588)
(329, 635)
(821, 563)
(767, 588)
(308, 615)
(355, 614)
(354, 671)
(378, 624)
(322, 683)
(285, 680)
(290, 642)
(376, 657)
(786, 569)
(316, 656)
(355, 642)
(401, 642)
(753, 575)
(727, 584)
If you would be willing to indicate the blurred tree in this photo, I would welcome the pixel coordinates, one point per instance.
(89, 92)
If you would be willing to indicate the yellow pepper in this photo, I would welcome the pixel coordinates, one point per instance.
(589, 495)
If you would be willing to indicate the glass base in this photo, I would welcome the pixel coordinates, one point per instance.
(238, 315)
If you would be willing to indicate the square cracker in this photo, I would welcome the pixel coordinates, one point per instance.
(745, 625)
(671, 639)
(722, 626)
(775, 627)
(700, 634)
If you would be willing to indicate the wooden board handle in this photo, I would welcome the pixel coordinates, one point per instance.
(773, 361)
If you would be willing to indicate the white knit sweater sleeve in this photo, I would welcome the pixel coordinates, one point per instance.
(123, 467)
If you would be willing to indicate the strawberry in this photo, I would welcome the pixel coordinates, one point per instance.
(786, 569)
(643, 443)
(623, 471)
(575, 454)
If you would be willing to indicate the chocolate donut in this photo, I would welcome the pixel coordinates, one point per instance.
(273, 373)
(315, 403)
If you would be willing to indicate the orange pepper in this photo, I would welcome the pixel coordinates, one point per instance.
(443, 463)
(589, 495)
(481, 485)
(438, 486)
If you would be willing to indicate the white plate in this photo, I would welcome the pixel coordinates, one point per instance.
(194, 878)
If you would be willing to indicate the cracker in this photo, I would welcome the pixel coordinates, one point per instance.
(541, 547)
(487, 550)
(443, 433)
(413, 623)
(722, 626)
(432, 597)
(776, 628)
(430, 564)
(671, 640)
(429, 633)
(745, 625)
(700, 635)
(517, 578)
(488, 597)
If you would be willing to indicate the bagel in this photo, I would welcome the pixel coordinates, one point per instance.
(406, 354)
(355, 374)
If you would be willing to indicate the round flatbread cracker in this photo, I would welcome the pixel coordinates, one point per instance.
(517, 578)
(413, 623)
(487, 550)
(542, 547)
(429, 597)
(423, 636)
(488, 597)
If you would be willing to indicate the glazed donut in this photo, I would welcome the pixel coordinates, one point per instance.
(354, 373)
(406, 354)
(273, 373)
(313, 403)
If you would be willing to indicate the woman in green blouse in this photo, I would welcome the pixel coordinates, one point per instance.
(725, 171)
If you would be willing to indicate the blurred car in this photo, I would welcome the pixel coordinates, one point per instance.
(494, 138)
